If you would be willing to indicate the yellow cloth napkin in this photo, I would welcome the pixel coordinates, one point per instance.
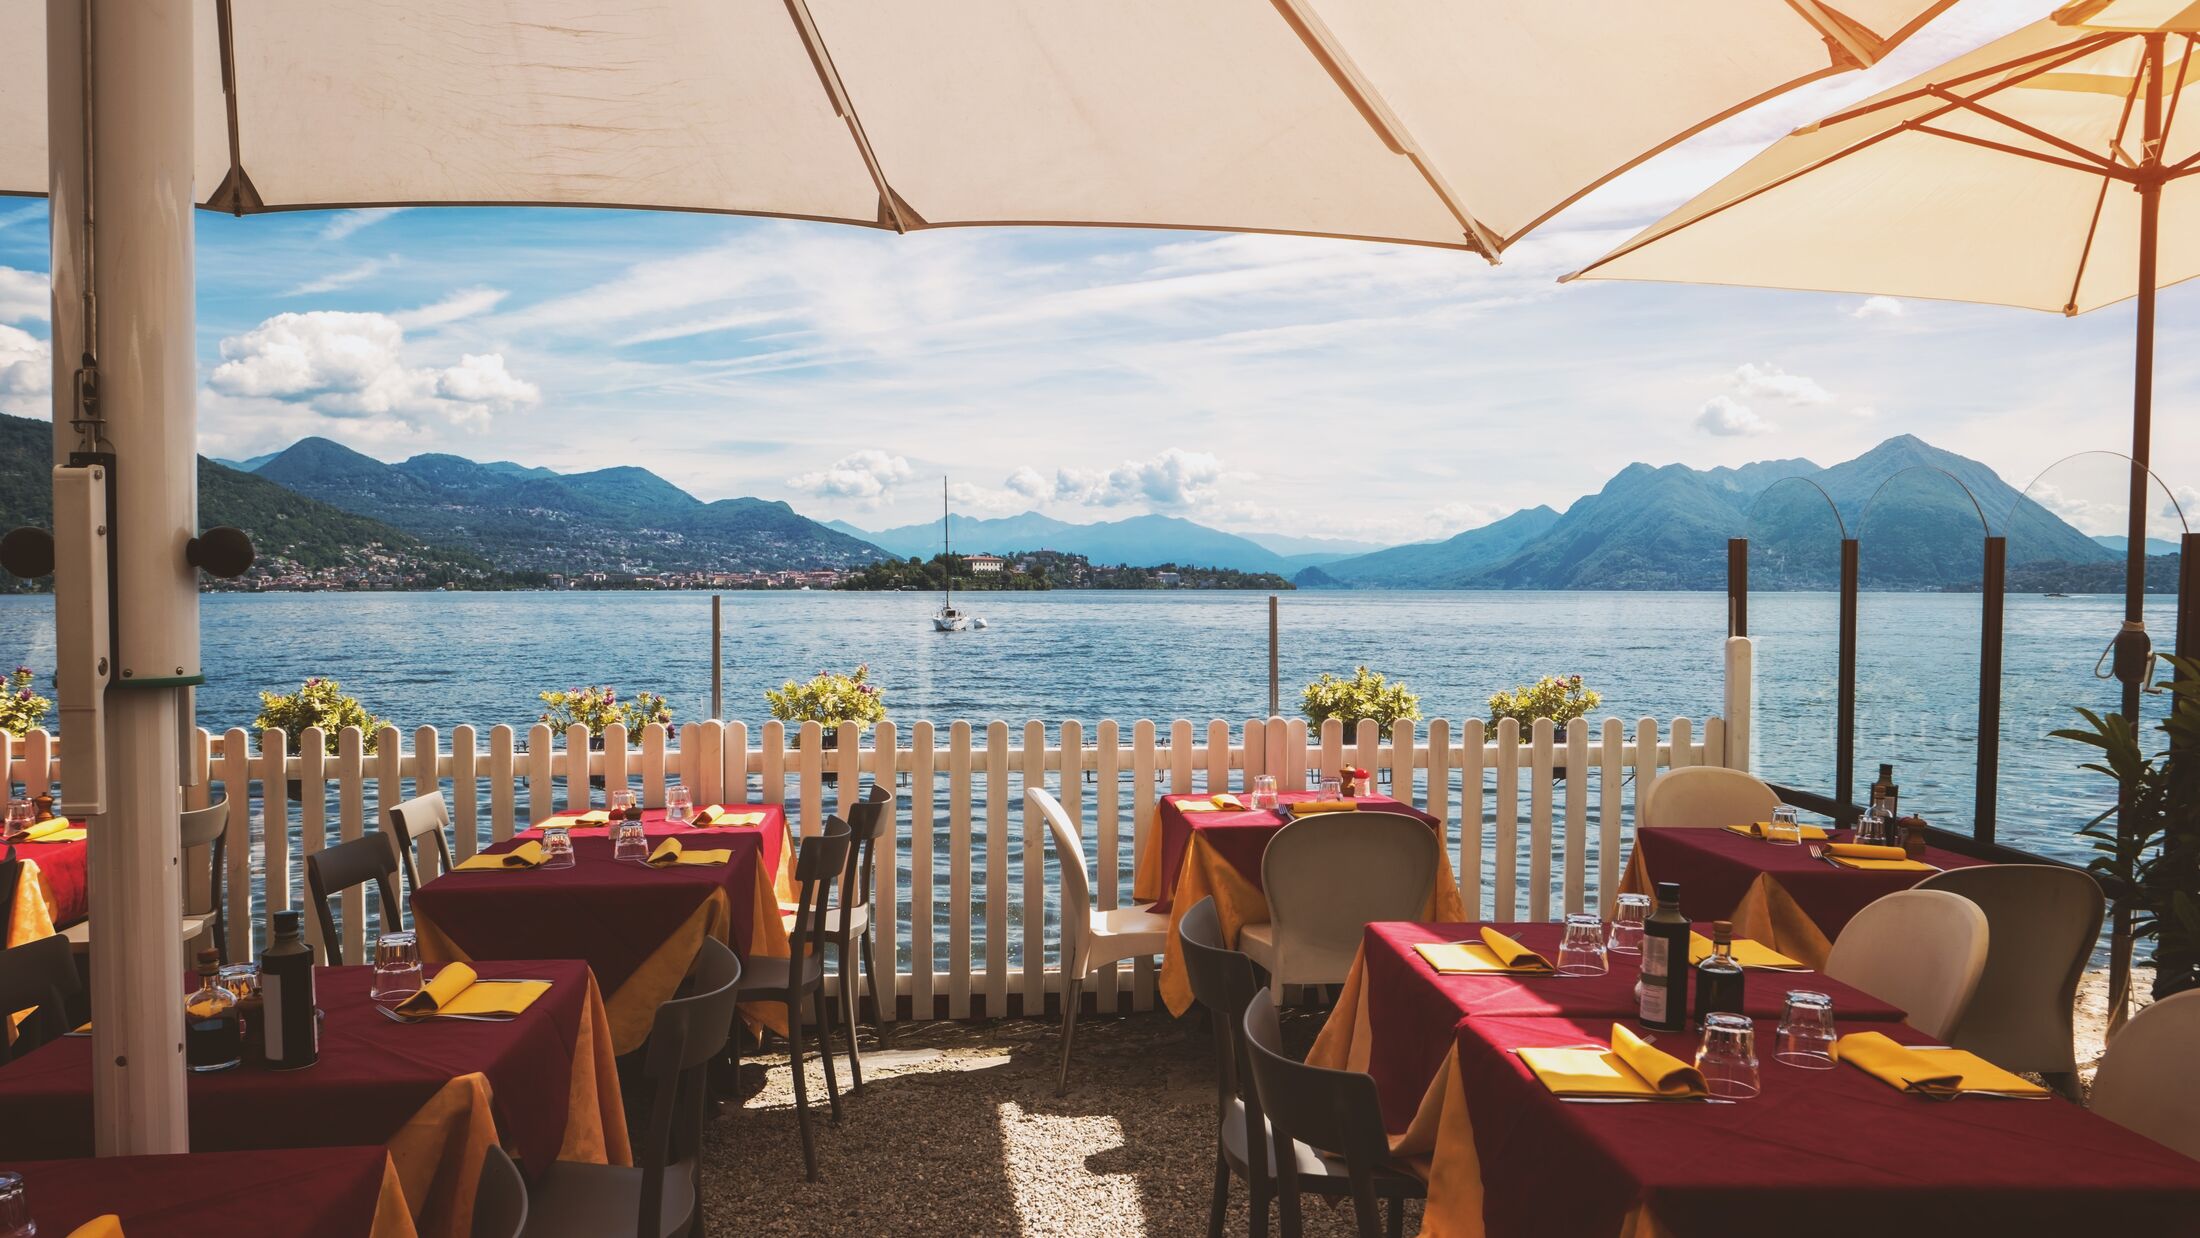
(109, 1226)
(1307, 807)
(1763, 829)
(1930, 1072)
(1467, 958)
(1865, 851)
(1511, 953)
(527, 855)
(1746, 952)
(457, 990)
(1198, 806)
(708, 815)
(595, 816)
(727, 820)
(669, 853)
(45, 830)
(1227, 800)
(562, 821)
(1632, 1067)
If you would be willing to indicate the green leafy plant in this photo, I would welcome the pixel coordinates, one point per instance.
(1366, 695)
(1559, 698)
(2148, 845)
(830, 698)
(317, 702)
(598, 707)
(21, 709)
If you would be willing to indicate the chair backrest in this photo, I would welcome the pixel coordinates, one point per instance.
(2147, 1082)
(333, 870)
(818, 863)
(687, 1034)
(1329, 876)
(1076, 880)
(866, 821)
(208, 827)
(1922, 950)
(420, 815)
(500, 1200)
(39, 973)
(1706, 795)
(2042, 921)
(1222, 980)
(1334, 1111)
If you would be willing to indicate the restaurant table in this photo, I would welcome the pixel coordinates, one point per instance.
(1818, 1152)
(286, 1193)
(1218, 854)
(637, 927)
(1773, 892)
(50, 894)
(1398, 1011)
(435, 1094)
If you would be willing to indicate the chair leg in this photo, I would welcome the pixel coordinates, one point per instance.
(1259, 1189)
(1397, 1218)
(1072, 998)
(2065, 1082)
(1219, 1206)
(801, 1085)
(825, 1046)
(879, 996)
(851, 998)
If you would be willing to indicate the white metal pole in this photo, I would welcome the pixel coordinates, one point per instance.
(136, 82)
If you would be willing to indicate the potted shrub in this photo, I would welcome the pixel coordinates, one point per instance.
(22, 710)
(829, 698)
(1559, 698)
(317, 702)
(2148, 845)
(597, 707)
(1366, 695)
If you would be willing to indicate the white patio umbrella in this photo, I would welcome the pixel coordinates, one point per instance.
(1428, 122)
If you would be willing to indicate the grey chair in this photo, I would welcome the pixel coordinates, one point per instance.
(414, 819)
(38, 973)
(1327, 878)
(205, 831)
(1223, 983)
(1338, 1116)
(333, 870)
(500, 1198)
(848, 923)
(662, 1194)
(818, 863)
(2042, 922)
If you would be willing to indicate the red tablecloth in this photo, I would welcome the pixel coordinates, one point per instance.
(1827, 1152)
(1407, 1012)
(290, 1193)
(373, 1075)
(1239, 837)
(1778, 894)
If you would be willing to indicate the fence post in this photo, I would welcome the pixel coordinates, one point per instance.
(1741, 695)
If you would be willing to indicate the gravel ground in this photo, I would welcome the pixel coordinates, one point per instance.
(958, 1132)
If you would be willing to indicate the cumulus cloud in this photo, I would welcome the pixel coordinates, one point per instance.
(1770, 382)
(1029, 483)
(1175, 478)
(26, 373)
(1878, 307)
(24, 295)
(357, 274)
(1727, 417)
(344, 223)
(868, 477)
(352, 365)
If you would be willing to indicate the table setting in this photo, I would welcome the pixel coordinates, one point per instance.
(53, 852)
(341, 1192)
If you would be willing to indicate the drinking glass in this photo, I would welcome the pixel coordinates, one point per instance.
(679, 806)
(1875, 826)
(1787, 826)
(396, 968)
(15, 1208)
(631, 842)
(557, 847)
(1264, 792)
(241, 979)
(22, 815)
(1581, 951)
(1806, 1034)
(621, 800)
(1627, 921)
(1332, 789)
(1728, 1059)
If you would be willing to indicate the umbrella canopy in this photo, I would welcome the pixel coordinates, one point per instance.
(1421, 121)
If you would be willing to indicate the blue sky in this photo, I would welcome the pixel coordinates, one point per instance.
(1255, 383)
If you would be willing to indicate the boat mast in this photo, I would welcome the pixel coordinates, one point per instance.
(947, 566)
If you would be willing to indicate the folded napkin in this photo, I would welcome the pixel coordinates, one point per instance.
(1746, 952)
(708, 814)
(1872, 858)
(1494, 954)
(1632, 1068)
(668, 853)
(725, 819)
(597, 816)
(1227, 800)
(1309, 807)
(1930, 1072)
(527, 855)
(49, 830)
(109, 1226)
(456, 990)
(1763, 829)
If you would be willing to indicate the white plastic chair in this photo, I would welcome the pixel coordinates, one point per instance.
(2043, 921)
(2147, 1082)
(206, 828)
(1707, 795)
(1921, 950)
(1091, 939)
(1327, 878)
(415, 819)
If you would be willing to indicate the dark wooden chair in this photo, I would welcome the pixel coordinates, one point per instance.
(500, 1198)
(819, 863)
(333, 870)
(1223, 982)
(662, 1194)
(414, 819)
(38, 973)
(848, 924)
(1333, 1122)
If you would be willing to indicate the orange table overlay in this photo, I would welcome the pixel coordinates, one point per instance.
(284, 1193)
(50, 893)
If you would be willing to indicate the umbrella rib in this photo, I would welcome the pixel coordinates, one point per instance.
(1833, 30)
(2053, 58)
(236, 187)
(2091, 169)
(2008, 121)
(828, 76)
(2100, 202)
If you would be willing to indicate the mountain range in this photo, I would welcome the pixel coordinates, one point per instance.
(1137, 541)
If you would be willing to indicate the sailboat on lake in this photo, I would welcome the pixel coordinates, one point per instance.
(948, 619)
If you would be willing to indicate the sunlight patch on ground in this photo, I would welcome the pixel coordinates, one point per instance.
(1057, 1191)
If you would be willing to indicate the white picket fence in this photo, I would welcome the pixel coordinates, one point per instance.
(968, 874)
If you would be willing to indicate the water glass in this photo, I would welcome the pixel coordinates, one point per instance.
(22, 815)
(15, 1208)
(1264, 792)
(1728, 1058)
(679, 806)
(631, 842)
(396, 968)
(620, 800)
(557, 847)
(1627, 921)
(241, 979)
(1787, 826)
(1581, 951)
(1806, 1033)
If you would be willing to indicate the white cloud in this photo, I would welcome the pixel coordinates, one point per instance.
(351, 365)
(1175, 478)
(22, 215)
(344, 223)
(868, 477)
(1878, 307)
(1770, 382)
(24, 295)
(345, 278)
(1728, 418)
(465, 303)
(26, 373)
(1029, 483)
